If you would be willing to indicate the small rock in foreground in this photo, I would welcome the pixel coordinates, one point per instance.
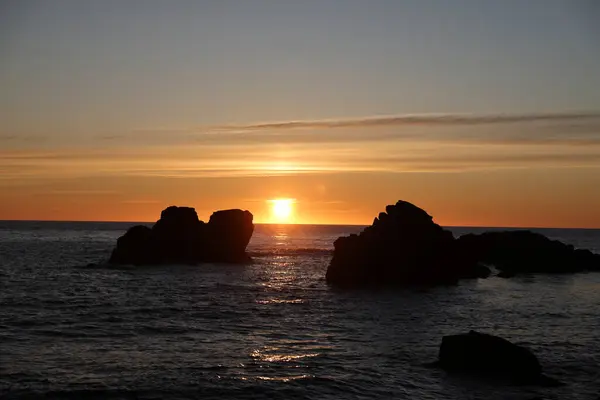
(486, 355)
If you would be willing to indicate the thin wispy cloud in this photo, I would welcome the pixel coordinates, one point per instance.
(418, 119)
(192, 162)
(568, 129)
(574, 129)
(388, 144)
(28, 138)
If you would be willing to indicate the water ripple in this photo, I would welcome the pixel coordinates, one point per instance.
(272, 329)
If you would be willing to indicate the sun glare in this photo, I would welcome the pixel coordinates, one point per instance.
(282, 210)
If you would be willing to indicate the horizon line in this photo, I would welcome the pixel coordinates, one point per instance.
(304, 224)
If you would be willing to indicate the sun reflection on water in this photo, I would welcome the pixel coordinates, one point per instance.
(283, 378)
(265, 355)
(281, 301)
(281, 238)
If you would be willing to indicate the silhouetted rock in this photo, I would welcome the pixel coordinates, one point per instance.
(229, 232)
(488, 355)
(522, 251)
(179, 237)
(132, 247)
(403, 246)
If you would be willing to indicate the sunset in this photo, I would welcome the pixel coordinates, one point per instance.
(122, 115)
(282, 210)
(299, 199)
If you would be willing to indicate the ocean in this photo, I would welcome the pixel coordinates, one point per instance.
(270, 330)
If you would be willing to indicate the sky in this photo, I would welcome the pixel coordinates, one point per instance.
(482, 112)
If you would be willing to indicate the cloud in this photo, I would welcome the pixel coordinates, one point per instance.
(27, 138)
(499, 160)
(390, 144)
(81, 192)
(569, 129)
(415, 119)
(141, 201)
(556, 129)
(240, 162)
(8, 138)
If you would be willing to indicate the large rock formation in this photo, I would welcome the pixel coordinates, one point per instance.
(403, 246)
(179, 237)
(488, 355)
(522, 251)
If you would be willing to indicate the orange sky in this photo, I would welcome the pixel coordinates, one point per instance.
(478, 113)
(504, 170)
(526, 170)
(524, 196)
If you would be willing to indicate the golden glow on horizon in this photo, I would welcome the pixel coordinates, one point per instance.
(282, 210)
(540, 175)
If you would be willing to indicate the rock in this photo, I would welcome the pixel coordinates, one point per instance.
(132, 247)
(402, 247)
(488, 355)
(229, 232)
(179, 237)
(523, 251)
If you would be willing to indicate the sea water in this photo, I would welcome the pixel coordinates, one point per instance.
(273, 329)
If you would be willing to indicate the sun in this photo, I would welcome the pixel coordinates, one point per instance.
(282, 210)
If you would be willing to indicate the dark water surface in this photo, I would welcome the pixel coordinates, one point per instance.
(273, 329)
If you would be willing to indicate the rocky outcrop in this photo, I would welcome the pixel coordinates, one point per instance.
(403, 246)
(228, 234)
(523, 251)
(132, 247)
(492, 356)
(179, 237)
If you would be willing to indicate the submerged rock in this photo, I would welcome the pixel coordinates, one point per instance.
(403, 246)
(179, 237)
(488, 355)
(523, 251)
